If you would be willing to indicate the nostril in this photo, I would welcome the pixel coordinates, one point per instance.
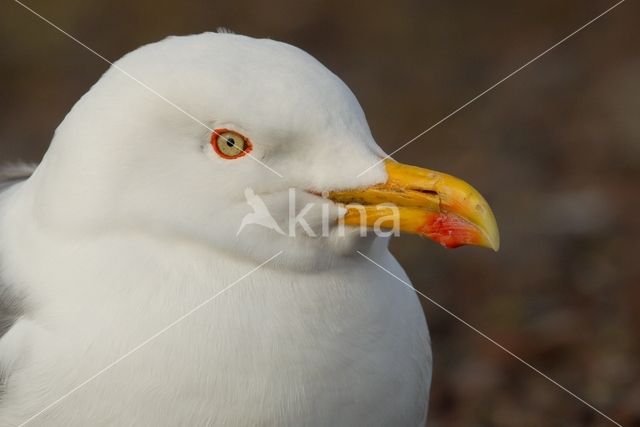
(428, 192)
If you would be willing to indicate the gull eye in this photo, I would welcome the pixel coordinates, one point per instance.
(229, 144)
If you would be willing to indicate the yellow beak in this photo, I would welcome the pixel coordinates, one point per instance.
(420, 201)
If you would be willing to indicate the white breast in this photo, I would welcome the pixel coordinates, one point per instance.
(343, 347)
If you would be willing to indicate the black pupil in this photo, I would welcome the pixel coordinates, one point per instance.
(231, 142)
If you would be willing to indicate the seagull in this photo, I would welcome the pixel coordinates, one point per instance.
(130, 222)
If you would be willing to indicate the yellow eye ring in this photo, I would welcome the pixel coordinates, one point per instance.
(230, 144)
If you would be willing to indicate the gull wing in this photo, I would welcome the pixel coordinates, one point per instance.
(10, 303)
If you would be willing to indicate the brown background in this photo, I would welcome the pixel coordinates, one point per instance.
(555, 149)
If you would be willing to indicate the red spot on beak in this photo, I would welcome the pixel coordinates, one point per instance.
(450, 230)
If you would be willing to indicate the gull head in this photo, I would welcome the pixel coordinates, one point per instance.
(192, 138)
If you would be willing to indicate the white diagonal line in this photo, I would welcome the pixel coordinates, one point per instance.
(147, 87)
(507, 77)
(503, 348)
(147, 341)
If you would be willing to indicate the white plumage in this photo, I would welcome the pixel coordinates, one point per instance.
(130, 221)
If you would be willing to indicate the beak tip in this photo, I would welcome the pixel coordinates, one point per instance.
(491, 234)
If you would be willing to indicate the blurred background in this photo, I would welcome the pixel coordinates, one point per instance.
(555, 149)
